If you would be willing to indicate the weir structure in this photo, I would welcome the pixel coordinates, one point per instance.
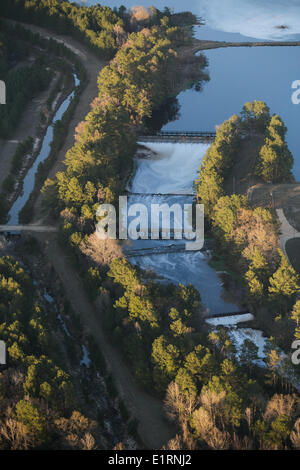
(183, 137)
(17, 229)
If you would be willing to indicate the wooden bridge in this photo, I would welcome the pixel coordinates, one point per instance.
(17, 229)
(191, 194)
(183, 137)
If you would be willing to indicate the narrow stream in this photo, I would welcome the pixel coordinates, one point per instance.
(29, 180)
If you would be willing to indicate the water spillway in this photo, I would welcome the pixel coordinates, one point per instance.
(168, 178)
(191, 137)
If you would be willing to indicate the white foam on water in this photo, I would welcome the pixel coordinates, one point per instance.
(190, 268)
(173, 173)
(260, 19)
(253, 18)
(230, 320)
(239, 335)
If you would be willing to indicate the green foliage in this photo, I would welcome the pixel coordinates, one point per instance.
(248, 353)
(295, 315)
(275, 161)
(284, 286)
(166, 359)
(216, 164)
(255, 115)
(98, 26)
(22, 84)
(33, 419)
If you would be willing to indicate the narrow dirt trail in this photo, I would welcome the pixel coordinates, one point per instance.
(93, 66)
(287, 231)
(153, 428)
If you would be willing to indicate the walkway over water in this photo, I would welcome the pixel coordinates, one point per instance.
(27, 228)
(162, 194)
(182, 137)
(162, 250)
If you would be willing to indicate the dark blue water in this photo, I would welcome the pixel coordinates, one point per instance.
(238, 75)
(231, 20)
(241, 74)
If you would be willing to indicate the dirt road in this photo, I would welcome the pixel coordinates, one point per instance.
(93, 65)
(27, 127)
(153, 428)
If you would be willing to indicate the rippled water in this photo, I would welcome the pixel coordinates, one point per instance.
(174, 170)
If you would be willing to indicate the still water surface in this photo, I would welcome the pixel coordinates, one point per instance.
(239, 75)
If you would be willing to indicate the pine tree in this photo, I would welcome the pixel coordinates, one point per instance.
(275, 161)
(296, 312)
(284, 285)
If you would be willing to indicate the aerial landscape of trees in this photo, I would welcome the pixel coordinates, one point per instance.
(37, 395)
(248, 235)
(22, 82)
(216, 395)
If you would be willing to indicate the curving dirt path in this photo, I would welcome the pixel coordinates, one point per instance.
(287, 231)
(153, 428)
(93, 65)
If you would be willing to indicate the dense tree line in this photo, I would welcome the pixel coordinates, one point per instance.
(38, 403)
(21, 81)
(219, 399)
(217, 163)
(275, 162)
(248, 236)
(135, 82)
(98, 26)
(21, 84)
(61, 58)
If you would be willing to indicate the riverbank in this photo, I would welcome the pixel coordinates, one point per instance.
(38, 134)
(202, 45)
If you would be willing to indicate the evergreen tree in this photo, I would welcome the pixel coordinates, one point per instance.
(284, 285)
(275, 161)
